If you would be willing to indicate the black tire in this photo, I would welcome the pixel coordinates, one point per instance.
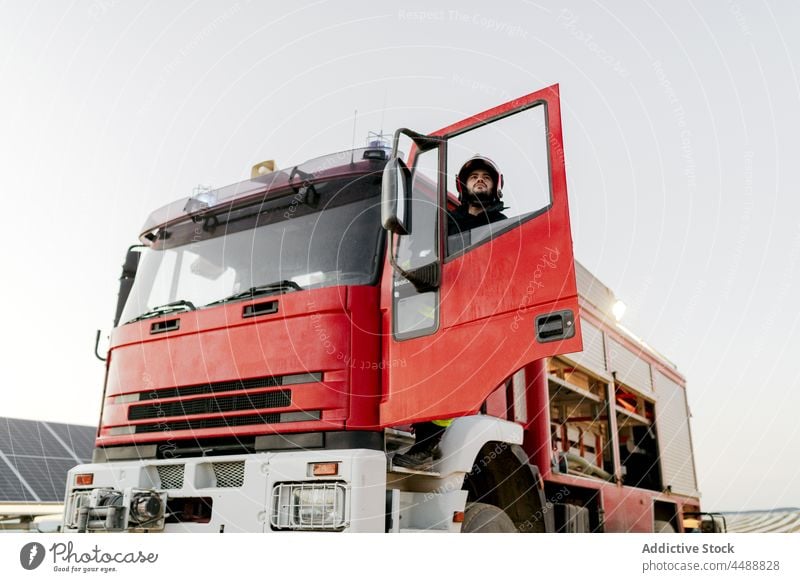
(485, 518)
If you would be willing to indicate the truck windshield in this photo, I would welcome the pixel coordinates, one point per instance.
(318, 235)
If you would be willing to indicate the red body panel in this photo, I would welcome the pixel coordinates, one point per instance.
(625, 509)
(537, 427)
(310, 333)
(628, 510)
(364, 362)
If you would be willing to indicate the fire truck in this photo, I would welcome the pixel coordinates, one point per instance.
(275, 340)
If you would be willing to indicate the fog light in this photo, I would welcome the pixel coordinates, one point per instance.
(316, 508)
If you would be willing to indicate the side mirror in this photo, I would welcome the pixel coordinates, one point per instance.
(394, 198)
(126, 279)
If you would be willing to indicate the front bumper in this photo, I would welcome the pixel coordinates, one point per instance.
(260, 492)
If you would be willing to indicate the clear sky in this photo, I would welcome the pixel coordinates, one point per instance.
(682, 139)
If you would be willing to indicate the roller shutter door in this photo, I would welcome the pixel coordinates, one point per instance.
(674, 437)
(630, 368)
(593, 356)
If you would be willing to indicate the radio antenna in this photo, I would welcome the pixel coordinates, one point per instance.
(383, 111)
(352, 149)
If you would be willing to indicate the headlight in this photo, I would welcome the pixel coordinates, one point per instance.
(309, 506)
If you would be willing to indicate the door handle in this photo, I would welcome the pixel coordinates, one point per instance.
(557, 325)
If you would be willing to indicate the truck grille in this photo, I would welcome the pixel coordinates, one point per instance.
(231, 421)
(230, 386)
(170, 476)
(189, 402)
(275, 399)
(229, 474)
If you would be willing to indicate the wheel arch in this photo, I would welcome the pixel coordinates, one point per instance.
(496, 470)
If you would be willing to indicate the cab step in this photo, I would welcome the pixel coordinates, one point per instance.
(407, 471)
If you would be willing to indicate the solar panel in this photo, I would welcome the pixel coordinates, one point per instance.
(47, 477)
(11, 488)
(35, 457)
(28, 437)
(78, 438)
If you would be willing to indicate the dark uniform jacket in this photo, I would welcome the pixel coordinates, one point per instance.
(461, 220)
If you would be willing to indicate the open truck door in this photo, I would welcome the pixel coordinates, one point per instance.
(464, 311)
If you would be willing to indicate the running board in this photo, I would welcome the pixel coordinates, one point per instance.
(406, 471)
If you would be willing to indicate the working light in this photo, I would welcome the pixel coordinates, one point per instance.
(618, 309)
(202, 197)
(309, 506)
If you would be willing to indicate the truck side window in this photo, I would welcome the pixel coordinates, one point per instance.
(417, 314)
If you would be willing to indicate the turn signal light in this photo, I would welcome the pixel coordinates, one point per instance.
(262, 168)
(324, 469)
(458, 517)
(84, 479)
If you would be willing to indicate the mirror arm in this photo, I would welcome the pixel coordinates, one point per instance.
(393, 261)
(96, 344)
(422, 141)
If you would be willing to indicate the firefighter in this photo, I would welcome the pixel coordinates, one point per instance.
(480, 191)
(479, 184)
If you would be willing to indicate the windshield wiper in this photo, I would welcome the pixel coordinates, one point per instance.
(268, 289)
(180, 305)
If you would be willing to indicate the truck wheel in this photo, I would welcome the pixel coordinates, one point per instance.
(660, 526)
(485, 518)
